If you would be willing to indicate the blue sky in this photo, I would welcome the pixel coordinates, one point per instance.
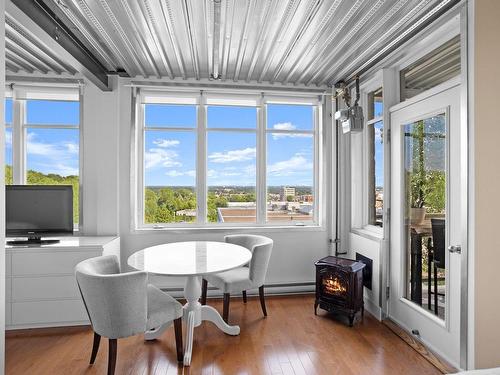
(48, 150)
(170, 156)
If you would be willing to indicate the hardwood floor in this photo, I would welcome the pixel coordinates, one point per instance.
(291, 340)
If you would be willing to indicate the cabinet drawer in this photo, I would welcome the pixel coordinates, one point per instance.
(46, 287)
(48, 312)
(48, 263)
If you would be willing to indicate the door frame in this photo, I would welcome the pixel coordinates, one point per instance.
(464, 196)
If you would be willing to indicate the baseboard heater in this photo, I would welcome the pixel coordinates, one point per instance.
(278, 289)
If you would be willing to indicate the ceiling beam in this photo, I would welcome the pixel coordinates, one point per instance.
(38, 17)
(216, 40)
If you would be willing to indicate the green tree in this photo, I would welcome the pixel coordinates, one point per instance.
(8, 175)
(213, 203)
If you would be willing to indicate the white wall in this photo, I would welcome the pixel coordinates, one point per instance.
(100, 163)
(107, 195)
(2, 188)
(369, 248)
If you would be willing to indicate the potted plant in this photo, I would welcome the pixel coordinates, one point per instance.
(417, 198)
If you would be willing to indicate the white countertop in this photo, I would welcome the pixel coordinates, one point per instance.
(67, 242)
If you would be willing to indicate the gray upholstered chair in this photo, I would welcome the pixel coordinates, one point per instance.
(241, 279)
(123, 304)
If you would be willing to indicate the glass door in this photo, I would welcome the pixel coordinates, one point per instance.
(425, 224)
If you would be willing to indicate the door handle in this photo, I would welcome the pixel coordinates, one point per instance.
(455, 249)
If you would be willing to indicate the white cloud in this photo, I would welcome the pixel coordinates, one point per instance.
(8, 138)
(54, 151)
(158, 156)
(64, 170)
(42, 149)
(290, 127)
(284, 126)
(72, 148)
(378, 134)
(165, 143)
(55, 157)
(175, 173)
(233, 155)
(296, 163)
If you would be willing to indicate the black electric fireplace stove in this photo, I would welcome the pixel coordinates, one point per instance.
(339, 286)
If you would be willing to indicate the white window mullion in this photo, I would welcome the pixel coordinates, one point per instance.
(261, 187)
(18, 142)
(317, 139)
(140, 148)
(201, 162)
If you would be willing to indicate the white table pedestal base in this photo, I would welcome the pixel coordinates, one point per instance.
(194, 314)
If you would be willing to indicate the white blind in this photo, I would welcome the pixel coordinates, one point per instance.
(21, 92)
(232, 99)
(304, 100)
(168, 97)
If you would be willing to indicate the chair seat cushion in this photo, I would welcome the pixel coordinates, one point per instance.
(162, 308)
(232, 281)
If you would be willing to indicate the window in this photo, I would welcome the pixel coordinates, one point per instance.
(290, 163)
(169, 163)
(375, 131)
(43, 142)
(431, 70)
(209, 163)
(231, 164)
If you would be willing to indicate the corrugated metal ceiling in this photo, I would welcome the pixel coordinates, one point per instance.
(313, 42)
(25, 52)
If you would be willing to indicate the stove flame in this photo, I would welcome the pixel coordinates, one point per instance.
(333, 285)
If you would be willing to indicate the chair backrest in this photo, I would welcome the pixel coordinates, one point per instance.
(261, 248)
(438, 241)
(116, 302)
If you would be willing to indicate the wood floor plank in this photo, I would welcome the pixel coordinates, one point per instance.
(291, 340)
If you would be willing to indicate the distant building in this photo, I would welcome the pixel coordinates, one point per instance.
(188, 213)
(248, 215)
(286, 192)
(305, 198)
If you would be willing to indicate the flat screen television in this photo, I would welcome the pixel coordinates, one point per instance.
(35, 211)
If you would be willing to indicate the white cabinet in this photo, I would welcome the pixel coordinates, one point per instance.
(41, 286)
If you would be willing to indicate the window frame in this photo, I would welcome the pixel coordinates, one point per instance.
(19, 128)
(199, 99)
(369, 159)
(361, 165)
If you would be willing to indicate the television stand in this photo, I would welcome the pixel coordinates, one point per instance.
(32, 240)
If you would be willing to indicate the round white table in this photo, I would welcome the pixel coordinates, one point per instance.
(192, 260)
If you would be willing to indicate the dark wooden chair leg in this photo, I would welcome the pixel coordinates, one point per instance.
(225, 309)
(95, 348)
(204, 287)
(112, 356)
(262, 300)
(178, 339)
(435, 290)
(244, 296)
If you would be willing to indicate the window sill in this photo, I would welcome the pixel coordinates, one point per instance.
(248, 229)
(369, 232)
